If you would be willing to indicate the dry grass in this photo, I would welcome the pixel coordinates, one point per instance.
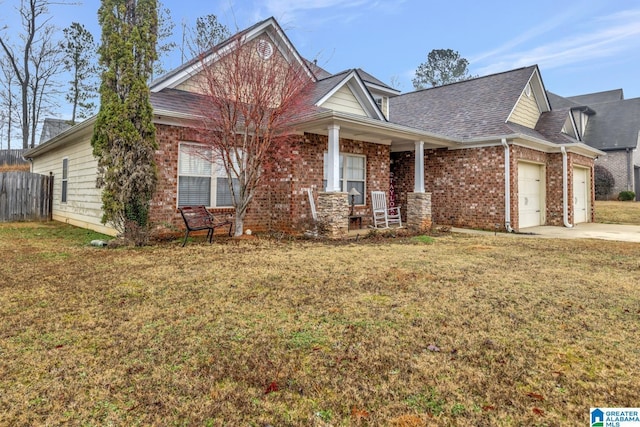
(455, 330)
(614, 212)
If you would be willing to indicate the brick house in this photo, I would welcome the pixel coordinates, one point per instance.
(485, 153)
(611, 124)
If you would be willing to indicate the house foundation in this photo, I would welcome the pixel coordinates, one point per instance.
(419, 211)
(333, 214)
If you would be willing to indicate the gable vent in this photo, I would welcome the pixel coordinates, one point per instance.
(265, 49)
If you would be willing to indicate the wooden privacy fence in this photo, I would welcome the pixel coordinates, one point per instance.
(25, 196)
(12, 157)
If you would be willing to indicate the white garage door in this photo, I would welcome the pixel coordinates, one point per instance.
(529, 195)
(580, 186)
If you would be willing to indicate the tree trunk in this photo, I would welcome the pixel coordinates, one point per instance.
(239, 226)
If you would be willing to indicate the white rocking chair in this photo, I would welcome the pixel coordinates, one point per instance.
(383, 217)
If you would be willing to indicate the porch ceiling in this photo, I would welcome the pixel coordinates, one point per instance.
(399, 138)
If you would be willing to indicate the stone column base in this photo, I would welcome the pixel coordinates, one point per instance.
(333, 214)
(419, 211)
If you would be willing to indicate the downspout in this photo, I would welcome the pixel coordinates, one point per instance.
(565, 189)
(629, 169)
(507, 187)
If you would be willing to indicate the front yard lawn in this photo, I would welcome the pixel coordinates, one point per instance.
(453, 330)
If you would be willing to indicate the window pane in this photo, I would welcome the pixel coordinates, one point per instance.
(65, 168)
(355, 167)
(223, 194)
(194, 190)
(194, 160)
(358, 185)
(64, 191)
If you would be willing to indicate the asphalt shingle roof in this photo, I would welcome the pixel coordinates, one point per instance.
(615, 125)
(472, 108)
(598, 97)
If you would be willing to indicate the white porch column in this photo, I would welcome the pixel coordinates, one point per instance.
(333, 160)
(418, 186)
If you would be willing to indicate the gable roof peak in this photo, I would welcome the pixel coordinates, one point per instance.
(188, 69)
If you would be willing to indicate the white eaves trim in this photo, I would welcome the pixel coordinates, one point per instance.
(358, 88)
(539, 92)
(269, 27)
(530, 142)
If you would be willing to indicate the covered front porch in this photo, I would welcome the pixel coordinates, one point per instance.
(336, 209)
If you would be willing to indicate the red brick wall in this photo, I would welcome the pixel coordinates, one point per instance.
(281, 202)
(467, 186)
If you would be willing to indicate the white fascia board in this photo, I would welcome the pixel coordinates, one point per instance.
(386, 129)
(574, 126)
(81, 129)
(359, 90)
(364, 97)
(539, 90)
(190, 71)
(391, 92)
(290, 48)
(537, 87)
(532, 142)
(336, 88)
(277, 36)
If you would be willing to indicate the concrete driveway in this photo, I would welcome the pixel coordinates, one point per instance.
(590, 230)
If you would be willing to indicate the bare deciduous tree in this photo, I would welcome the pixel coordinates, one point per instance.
(28, 61)
(253, 97)
(8, 101)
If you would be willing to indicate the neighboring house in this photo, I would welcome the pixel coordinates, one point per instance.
(53, 127)
(611, 124)
(484, 153)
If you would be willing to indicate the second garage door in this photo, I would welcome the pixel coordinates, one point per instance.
(530, 200)
(580, 193)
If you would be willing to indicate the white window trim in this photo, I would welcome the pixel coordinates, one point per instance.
(215, 169)
(64, 195)
(344, 180)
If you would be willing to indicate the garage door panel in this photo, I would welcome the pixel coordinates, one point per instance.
(580, 194)
(530, 201)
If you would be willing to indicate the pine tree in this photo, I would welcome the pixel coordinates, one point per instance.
(78, 47)
(124, 134)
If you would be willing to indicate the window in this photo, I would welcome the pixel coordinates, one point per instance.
(65, 179)
(201, 180)
(352, 174)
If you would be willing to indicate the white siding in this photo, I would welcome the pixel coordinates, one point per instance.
(344, 101)
(84, 204)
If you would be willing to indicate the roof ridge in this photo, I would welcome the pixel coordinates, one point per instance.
(471, 79)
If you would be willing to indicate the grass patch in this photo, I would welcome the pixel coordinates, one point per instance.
(423, 239)
(476, 330)
(615, 212)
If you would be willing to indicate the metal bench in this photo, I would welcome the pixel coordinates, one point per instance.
(198, 218)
